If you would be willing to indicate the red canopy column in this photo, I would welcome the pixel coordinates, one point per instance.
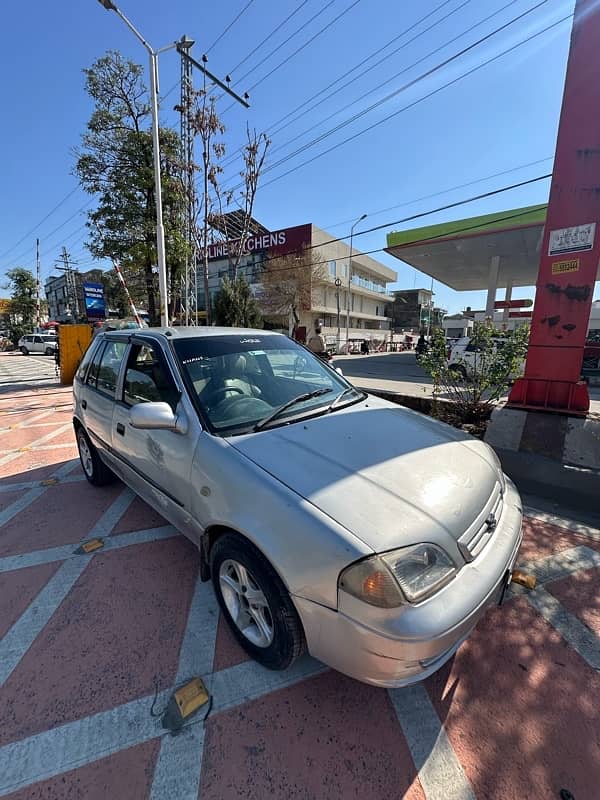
(571, 242)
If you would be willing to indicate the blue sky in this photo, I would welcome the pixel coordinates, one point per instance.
(500, 117)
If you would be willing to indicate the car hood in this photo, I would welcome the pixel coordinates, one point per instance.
(389, 475)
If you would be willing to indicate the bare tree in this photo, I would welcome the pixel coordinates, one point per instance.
(212, 220)
(289, 282)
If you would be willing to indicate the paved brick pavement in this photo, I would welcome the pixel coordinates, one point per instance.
(87, 640)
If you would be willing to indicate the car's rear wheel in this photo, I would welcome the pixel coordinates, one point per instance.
(24, 350)
(94, 469)
(255, 603)
(459, 370)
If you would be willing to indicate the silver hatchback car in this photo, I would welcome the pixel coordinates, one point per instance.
(327, 519)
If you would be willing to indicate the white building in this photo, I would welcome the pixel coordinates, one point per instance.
(368, 297)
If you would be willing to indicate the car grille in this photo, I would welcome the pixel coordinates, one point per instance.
(475, 539)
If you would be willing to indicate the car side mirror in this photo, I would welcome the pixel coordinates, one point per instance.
(157, 417)
(339, 371)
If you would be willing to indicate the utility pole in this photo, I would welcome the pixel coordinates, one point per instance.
(71, 282)
(38, 315)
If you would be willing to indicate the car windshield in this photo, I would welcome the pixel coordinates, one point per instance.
(241, 381)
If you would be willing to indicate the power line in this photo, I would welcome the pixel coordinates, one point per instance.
(228, 28)
(373, 66)
(299, 49)
(285, 41)
(405, 108)
(393, 77)
(35, 227)
(24, 253)
(269, 35)
(353, 69)
(442, 191)
(390, 96)
(421, 214)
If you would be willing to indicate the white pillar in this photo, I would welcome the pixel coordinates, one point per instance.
(508, 298)
(492, 286)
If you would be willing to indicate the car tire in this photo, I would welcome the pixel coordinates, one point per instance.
(459, 370)
(24, 350)
(94, 469)
(49, 351)
(269, 630)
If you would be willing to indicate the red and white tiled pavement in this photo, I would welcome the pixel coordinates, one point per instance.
(87, 640)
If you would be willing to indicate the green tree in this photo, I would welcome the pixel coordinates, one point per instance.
(471, 388)
(21, 316)
(115, 164)
(235, 305)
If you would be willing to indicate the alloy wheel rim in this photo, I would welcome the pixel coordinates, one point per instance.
(85, 456)
(246, 603)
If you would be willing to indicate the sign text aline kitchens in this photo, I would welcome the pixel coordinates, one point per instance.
(252, 243)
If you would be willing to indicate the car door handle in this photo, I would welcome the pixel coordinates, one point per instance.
(84, 403)
(121, 428)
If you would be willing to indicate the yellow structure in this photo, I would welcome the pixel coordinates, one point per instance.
(73, 341)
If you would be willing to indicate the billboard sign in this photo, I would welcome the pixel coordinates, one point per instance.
(93, 295)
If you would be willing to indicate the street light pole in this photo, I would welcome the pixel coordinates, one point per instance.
(360, 219)
(338, 283)
(160, 231)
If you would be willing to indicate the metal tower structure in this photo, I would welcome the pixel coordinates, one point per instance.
(185, 108)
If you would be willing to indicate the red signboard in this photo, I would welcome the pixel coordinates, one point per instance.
(520, 314)
(281, 242)
(513, 303)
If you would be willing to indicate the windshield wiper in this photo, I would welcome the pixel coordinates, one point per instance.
(343, 394)
(300, 399)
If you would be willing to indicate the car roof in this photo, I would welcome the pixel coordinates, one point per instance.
(191, 332)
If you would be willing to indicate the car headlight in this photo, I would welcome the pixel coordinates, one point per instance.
(391, 579)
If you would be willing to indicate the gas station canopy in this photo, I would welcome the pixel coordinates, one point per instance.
(462, 253)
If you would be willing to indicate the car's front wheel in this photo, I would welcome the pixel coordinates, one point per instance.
(256, 603)
(94, 468)
(24, 350)
(49, 351)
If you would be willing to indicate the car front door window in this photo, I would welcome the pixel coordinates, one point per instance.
(147, 379)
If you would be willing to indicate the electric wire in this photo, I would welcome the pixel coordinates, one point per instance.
(408, 106)
(372, 214)
(423, 76)
(275, 130)
(229, 27)
(419, 215)
(392, 77)
(269, 35)
(35, 227)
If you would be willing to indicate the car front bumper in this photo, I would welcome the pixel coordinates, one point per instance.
(397, 647)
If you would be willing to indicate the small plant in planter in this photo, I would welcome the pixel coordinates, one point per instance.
(470, 386)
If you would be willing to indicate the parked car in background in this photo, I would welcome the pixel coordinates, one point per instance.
(591, 352)
(463, 355)
(327, 519)
(45, 343)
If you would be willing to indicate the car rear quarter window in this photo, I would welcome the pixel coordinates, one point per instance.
(110, 366)
(92, 374)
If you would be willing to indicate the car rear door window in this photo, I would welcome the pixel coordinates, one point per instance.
(110, 366)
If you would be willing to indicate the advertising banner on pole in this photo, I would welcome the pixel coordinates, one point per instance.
(93, 295)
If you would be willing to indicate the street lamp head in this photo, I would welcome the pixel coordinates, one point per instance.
(364, 216)
(108, 5)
